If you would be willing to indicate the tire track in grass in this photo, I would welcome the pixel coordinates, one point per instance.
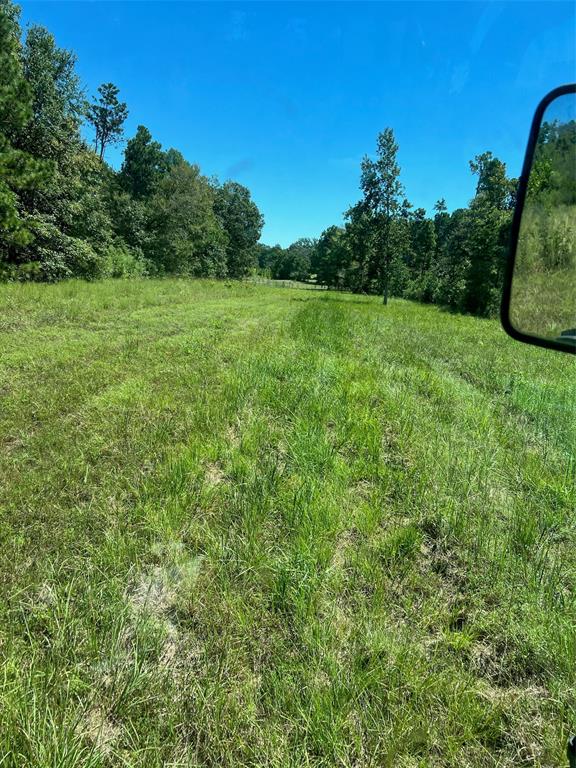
(109, 557)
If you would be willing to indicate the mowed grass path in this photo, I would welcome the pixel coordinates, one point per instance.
(247, 526)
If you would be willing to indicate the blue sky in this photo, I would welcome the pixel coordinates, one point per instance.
(286, 98)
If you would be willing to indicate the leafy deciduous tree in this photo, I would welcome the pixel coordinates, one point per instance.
(56, 97)
(186, 236)
(242, 222)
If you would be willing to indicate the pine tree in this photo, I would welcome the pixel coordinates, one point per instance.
(380, 182)
(18, 169)
(143, 164)
(107, 115)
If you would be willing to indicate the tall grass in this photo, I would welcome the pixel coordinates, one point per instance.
(247, 526)
(543, 294)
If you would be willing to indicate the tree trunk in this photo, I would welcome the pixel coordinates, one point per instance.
(385, 274)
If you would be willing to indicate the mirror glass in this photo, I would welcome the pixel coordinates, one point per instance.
(543, 296)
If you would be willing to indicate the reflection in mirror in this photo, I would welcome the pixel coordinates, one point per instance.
(543, 299)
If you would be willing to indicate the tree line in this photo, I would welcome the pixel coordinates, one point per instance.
(453, 259)
(389, 248)
(64, 212)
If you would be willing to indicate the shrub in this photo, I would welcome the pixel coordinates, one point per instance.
(123, 262)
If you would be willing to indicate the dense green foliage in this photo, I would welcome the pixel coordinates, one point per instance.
(292, 263)
(552, 177)
(19, 171)
(258, 527)
(64, 212)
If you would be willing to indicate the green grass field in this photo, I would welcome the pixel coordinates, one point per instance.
(253, 526)
(544, 304)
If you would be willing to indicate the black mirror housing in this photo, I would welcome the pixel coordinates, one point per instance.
(539, 297)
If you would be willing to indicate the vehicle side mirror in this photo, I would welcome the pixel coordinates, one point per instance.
(539, 300)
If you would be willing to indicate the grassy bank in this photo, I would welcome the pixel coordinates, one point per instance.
(248, 526)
